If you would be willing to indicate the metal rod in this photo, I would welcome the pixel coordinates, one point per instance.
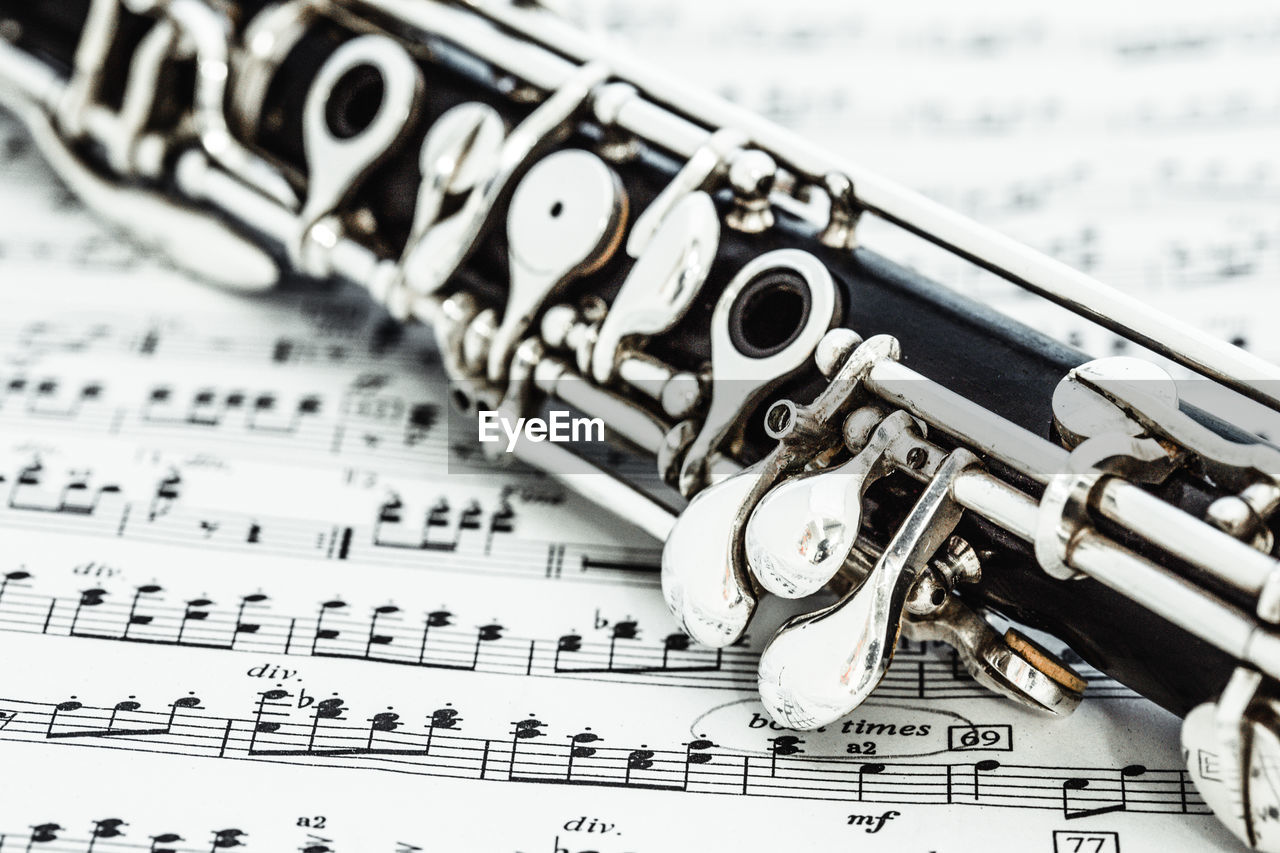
(1168, 527)
(599, 486)
(26, 80)
(966, 421)
(554, 377)
(998, 502)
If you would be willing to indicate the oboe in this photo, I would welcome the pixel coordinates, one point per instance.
(580, 231)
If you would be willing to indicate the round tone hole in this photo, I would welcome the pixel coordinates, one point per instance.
(354, 102)
(769, 313)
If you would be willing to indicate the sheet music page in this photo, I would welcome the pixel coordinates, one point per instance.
(258, 592)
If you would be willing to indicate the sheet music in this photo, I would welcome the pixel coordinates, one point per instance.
(257, 591)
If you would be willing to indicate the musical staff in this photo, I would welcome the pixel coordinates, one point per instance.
(120, 835)
(365, 341)
(330, 733)
(369, 424)
(397, 634)
(115, 834)
(463, 536)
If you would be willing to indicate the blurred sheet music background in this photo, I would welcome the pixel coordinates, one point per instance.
(215, 509)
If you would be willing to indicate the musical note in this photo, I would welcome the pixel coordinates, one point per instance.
(421, 421)
(442, 719)
(241, 626)
(501, 521)
(385, 721)
(165, 496)
(88, 727)
(225, 839)
(391, 530)
(326, 709)
(136, 618)
(196, 610)
(865, 770)
(267, 699)
(108, 828)
(28, 475)
(15, 576)
(88, 598)
(579, 747)
(323, 633)
(697, 752)
(1079, 784)
(1089, 796)
(985, 766)
(637, 760)
(375, 638)
(783, 745)
(524, 731)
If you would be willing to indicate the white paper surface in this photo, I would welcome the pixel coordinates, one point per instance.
(258, 594)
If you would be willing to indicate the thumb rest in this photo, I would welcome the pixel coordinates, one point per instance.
(577, 228)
